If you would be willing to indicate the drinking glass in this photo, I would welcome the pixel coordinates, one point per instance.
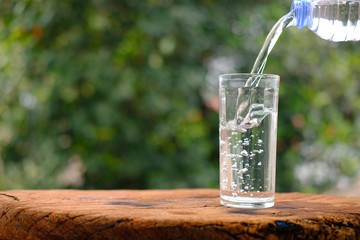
(247, 138)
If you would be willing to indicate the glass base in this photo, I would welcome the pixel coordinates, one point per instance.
(246, 202)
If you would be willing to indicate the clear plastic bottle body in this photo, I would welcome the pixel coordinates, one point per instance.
(333, 20)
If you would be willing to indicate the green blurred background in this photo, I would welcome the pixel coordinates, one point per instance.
(121, 94)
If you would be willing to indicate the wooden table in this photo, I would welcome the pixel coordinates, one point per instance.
(172, 214)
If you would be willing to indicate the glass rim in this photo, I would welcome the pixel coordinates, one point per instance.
(242, 79)
(237, 76)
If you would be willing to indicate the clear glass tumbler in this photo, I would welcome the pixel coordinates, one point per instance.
(247, 136)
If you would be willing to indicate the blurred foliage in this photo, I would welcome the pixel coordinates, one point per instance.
(117, 94)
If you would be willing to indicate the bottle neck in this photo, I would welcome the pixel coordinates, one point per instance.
(302, 12)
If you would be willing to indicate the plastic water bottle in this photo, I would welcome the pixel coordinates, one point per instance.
(333, 20)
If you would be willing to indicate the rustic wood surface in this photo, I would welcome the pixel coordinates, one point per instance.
(172, 214)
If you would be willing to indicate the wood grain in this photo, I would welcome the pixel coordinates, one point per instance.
(172, 214)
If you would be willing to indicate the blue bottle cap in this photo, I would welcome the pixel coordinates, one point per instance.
(302, 11)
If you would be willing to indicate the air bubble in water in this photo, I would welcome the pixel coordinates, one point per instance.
(242, 171)
(244, 153)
